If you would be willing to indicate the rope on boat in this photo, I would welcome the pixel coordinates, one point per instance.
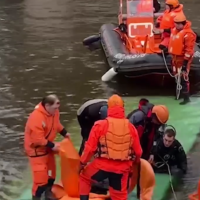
(170, 175)
(177, 77)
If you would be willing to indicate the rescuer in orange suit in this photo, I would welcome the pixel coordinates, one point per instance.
(166, 22)
(116, 146)
(181, 47)
(40, 132)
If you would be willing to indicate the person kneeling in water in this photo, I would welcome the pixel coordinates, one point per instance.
(116, 145)
(148, 119)
(168, 153)
(90, 112)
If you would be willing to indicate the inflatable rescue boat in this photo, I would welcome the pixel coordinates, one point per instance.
(68, 188)
(131, 48)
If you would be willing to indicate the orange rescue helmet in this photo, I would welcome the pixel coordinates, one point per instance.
(161, 112)
(180, 18)
(173, 3)
(115, 100)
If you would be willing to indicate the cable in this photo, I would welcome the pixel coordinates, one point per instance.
(177, 77)
(170, 175)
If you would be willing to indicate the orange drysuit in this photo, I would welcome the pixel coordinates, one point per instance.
(116, 144)
(40, 130)
(144, 177)
(181, 47)
(166, 22)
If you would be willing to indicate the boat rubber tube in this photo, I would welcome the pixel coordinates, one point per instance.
(124, 62)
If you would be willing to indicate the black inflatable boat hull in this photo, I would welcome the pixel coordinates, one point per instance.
(135, 64)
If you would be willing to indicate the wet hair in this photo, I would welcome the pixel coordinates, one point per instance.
(50, 99)
(170, 132)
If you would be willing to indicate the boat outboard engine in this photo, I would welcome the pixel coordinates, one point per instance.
(123, 28)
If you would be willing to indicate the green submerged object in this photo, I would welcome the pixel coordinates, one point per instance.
(186, 120)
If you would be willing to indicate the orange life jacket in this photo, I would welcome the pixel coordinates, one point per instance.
(176, 41)
(116, 144)
(168, 17)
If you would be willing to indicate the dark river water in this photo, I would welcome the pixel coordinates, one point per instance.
(41, 52)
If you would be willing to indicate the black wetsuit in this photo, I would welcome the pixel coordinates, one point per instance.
(173, 155)
(87, 115)
(148, 132)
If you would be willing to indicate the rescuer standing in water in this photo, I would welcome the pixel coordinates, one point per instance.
(181, 47)
(149, 120)
(116, 144)
(90, 112)
(40, 132)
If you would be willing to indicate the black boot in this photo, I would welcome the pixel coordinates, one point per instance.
(49, 194)
(84, 197)
(36, 198)
(186, 99)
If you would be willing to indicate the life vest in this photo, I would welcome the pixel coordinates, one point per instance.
(176, 42)
(168, 17)
(116, 144)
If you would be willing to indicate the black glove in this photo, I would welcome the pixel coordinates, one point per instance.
(167, 31)
(184, 67)
(157, 24)
(123, 28)
(63, 132)
(163, 48)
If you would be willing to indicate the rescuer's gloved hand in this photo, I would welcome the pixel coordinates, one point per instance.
(163, 48)
(167, 31)
(123, 28)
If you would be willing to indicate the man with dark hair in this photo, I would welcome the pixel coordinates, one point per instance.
(90, 112)
(168, 153)
(40, 132)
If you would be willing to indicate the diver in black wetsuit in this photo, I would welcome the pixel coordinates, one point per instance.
(90, 112)
(169, 152)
